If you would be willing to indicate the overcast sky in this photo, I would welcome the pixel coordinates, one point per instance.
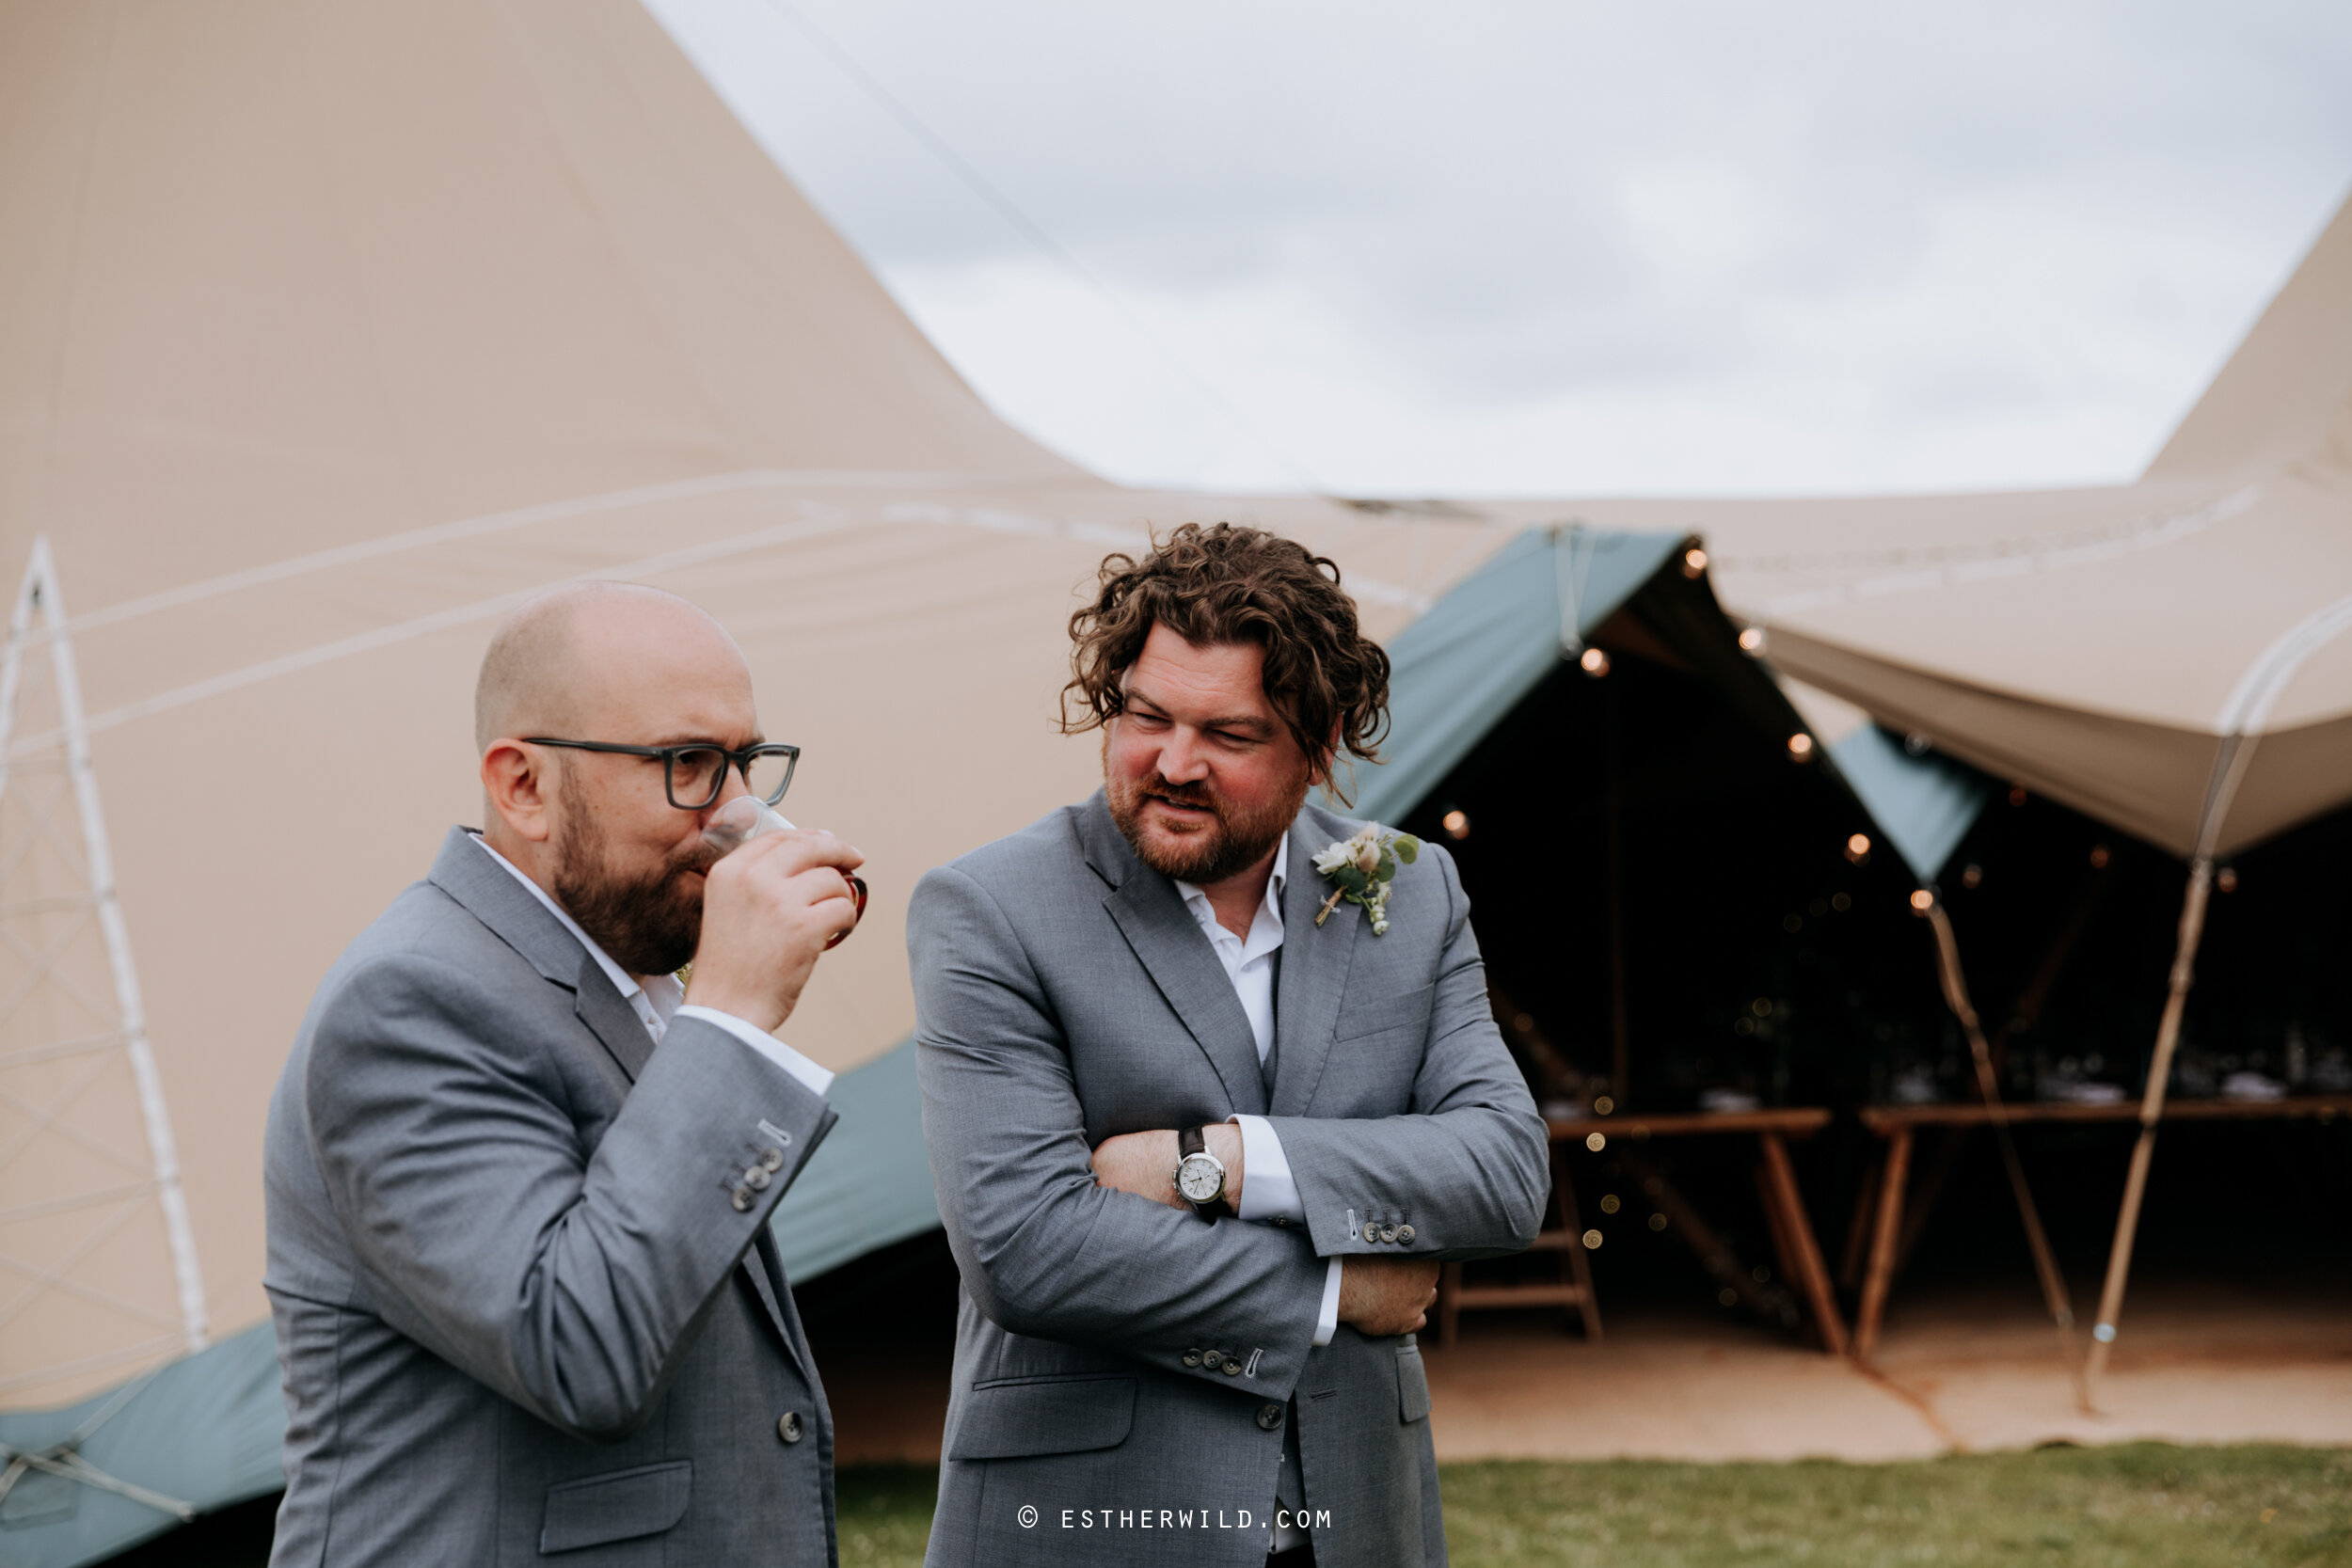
(1565, 248)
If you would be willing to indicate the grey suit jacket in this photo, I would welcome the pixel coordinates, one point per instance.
(1063, 994)
(521, 1313)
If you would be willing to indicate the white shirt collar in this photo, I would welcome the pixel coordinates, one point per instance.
(1266, 928)
(662, 1001)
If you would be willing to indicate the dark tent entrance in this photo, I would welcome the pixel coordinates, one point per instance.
(1686, 913)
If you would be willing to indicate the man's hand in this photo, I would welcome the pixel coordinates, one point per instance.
(769, 909)
(1381, 1296)
(1144, 1163)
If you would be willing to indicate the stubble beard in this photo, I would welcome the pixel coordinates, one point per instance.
(1234, 840)
(648, 924)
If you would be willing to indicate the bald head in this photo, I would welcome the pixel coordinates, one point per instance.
(587, 658)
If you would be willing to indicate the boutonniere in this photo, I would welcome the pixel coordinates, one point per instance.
(1361, 868)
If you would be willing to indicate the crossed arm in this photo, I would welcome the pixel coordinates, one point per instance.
(1047, 1231)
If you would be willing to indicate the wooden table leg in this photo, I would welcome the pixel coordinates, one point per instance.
(1865, 1208)
(1811, 1275)
(1579, 1268)
(1883, 1242)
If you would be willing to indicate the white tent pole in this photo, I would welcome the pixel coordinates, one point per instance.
(2244, 713)
(40, 585)
(2151, 1112)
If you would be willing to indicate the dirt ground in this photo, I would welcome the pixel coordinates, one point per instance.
(1957, 1370)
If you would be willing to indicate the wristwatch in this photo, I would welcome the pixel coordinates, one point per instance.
(1199, 1176)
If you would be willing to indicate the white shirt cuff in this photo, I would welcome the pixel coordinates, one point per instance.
(818, 1078)
(1268, 1191)
(1328, 1319)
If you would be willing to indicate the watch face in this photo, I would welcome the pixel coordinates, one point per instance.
(1199, 1177)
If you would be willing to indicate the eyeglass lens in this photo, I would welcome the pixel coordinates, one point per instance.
(695, 776)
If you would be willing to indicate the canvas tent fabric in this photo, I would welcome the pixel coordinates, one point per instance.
(328, 333)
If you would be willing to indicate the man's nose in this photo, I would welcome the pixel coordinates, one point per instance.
(1183, 760)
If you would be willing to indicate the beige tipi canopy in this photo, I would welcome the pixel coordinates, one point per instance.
(329, 330)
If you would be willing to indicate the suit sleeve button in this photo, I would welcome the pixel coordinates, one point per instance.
(771, 1159)
(1270, 1417)
(755, 1177)
(1387, 1233)
(741, 1199)
(1404, 1232)
(1213, 1359)
(790, 1427)
(1232, 1367)
(1192, 1358)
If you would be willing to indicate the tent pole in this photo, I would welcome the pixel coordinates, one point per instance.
(1620, 1034)
(2152, 1112)
(1988, 1084)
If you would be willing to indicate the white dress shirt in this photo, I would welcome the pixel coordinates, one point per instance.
(1268, 1192)
(656, 1000)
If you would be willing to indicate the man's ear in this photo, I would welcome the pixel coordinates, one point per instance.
(517, 789)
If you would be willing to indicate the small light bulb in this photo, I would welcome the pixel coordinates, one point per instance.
(1801, 746)
(1923, 900)
(1595, 1142)
(1751, 639)
(1594, 662)
(1457, 824)
(1858, 844)
(2226, 879)
(1693, 562)
(2100, 855)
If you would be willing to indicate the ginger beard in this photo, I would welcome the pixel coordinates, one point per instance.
(1217, 839)
(649, 923)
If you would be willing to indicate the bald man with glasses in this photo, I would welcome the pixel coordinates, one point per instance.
(519, 1178)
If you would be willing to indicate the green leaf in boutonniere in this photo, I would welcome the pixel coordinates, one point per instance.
(1360, 869)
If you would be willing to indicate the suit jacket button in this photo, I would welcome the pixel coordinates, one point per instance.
(1270, 1417)
(790, 1427)
(1387, 1233)
(1192, 1358)
(771, 1158)
(755, 1177)
(1404, 1232)
(1233, 1366)
(742, 1200)
(1213, 1359)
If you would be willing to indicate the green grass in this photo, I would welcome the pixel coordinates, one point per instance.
(2142, 1505)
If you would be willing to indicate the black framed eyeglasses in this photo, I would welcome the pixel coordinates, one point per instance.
(695, 773)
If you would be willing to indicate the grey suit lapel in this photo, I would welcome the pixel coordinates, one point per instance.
(1174, 949)
(465, 871)
(611, 1018)
(466, 874)
(1315, 962)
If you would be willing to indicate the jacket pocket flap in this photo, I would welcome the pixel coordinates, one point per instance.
(1412, 1384)
(615, 1507)
(1054, 1414)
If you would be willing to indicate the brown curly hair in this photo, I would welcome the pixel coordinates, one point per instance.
(1228, 584)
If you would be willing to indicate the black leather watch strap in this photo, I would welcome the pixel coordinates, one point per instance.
(1190, 1140)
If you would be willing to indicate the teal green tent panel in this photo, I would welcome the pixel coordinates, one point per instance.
(1458, 670)
(1923, 805)
(869, 1183)
(202, 1432)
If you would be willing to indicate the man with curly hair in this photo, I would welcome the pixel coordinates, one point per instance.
(1200, 1142)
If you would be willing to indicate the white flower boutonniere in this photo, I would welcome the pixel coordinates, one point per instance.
(1361, 868)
